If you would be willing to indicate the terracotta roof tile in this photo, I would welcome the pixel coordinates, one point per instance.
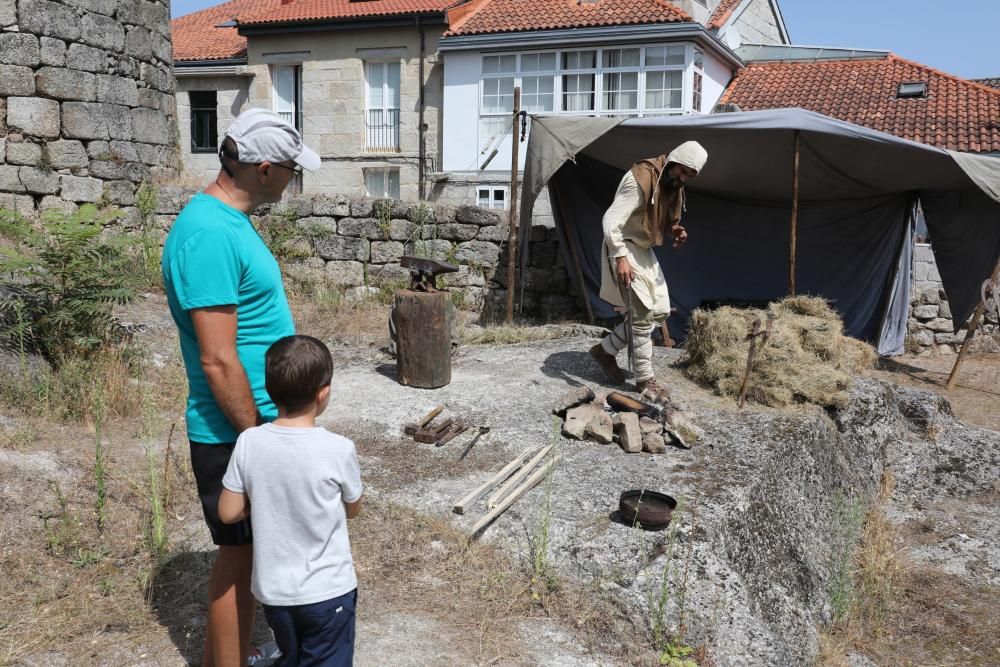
(992, 83)
(493, 16)
(957, 114)
(319, 10)
(722, 13)
(195, 36)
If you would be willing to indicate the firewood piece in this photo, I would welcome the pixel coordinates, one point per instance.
(497, 497)
(515, 494)
(485, 487)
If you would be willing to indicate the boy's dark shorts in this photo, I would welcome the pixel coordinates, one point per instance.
(209, 463)
(321, 633)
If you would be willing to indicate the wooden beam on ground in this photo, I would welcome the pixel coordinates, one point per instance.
(485, 487)
(529, 484)
(516, 479)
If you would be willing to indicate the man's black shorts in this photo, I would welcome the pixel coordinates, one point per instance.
(209, 463)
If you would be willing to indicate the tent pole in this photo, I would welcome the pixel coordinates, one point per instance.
(977, 318)
(512, 238)
(793, 242)
(574, 253)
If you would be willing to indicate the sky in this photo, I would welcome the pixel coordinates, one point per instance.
(957, 36)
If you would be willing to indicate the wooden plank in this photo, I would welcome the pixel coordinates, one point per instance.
(516, 479)
(484, 488)
(529, 484)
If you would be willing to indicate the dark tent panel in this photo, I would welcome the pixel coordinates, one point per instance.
(857, 194)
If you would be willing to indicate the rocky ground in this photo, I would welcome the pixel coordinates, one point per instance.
(746, 575)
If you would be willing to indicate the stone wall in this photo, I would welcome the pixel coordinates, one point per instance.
(357, 245)
(87, 107)
(930, 326)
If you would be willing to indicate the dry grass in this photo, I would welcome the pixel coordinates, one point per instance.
(503, 334)
(67, 584)
(901, 614)
(475, 591)
(807, 358)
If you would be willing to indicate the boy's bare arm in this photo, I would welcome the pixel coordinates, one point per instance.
(353, 509)
(233, 507)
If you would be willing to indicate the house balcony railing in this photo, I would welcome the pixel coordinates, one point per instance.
(382, 130)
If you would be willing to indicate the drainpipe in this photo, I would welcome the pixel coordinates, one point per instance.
(422, 128)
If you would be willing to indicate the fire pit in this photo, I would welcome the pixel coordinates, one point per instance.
(646, 509)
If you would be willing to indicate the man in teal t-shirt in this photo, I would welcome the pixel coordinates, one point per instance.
(225, 294)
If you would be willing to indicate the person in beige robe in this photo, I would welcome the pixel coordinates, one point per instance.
(645, 212)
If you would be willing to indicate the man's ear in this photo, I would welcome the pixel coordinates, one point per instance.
(324, 393)
(263, 171)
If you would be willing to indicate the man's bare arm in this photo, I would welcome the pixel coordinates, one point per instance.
(215, 329)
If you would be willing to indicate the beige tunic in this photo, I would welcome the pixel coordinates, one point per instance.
(624, 235)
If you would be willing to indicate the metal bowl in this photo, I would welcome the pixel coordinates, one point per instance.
(646, 509)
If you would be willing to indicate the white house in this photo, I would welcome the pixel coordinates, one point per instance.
(576, 57)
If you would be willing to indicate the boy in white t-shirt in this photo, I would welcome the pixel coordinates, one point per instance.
(302, 483)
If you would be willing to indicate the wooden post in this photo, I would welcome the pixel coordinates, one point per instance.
(795, 220)
(423, 338)
(512, 238)
(977, 318)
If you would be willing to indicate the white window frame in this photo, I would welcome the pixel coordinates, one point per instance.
(491, 124)
(386, 189)
(297, 115)
(384, 137)
(491, 192)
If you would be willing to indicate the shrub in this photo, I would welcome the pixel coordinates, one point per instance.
(65, 277)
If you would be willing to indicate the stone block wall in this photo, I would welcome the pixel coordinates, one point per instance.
(87, 108)
(358, 243)
(930, 326)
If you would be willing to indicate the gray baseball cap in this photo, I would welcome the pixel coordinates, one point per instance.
(264, 136)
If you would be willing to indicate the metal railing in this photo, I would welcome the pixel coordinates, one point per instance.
(381, 130)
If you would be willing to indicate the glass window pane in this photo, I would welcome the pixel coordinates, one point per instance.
(375, 182)
(284, 89)
(392, 85)
(579, 59)
(661, 56)
(491, 64)
(675, 99)
(547, 61)
(393, 178)
(620, 57)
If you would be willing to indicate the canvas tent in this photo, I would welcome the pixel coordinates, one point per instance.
(858, 193)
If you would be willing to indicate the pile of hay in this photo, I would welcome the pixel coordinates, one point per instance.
(807, 358)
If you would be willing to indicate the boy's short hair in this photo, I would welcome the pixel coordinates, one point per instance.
(295, 369)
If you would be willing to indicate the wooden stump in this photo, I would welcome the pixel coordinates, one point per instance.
(423, 338)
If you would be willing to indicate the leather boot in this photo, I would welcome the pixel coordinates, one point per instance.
(608, 364)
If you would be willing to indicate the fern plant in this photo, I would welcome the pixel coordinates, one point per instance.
(65, 278)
